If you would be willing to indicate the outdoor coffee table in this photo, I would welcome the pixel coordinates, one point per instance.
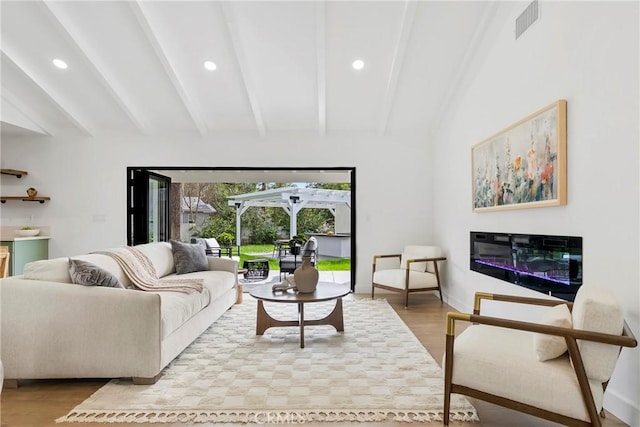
(325, 291)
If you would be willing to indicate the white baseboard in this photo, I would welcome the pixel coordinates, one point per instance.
(622, 407)
(458, 304)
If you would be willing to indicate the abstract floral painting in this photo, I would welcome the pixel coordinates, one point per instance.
(524, 165)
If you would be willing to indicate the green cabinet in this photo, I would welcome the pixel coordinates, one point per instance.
(25, 251)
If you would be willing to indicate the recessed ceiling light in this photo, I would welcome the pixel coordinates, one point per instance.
(210, 65)
(358, 64)
(60, 63)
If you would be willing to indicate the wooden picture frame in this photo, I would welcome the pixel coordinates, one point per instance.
(524, 165)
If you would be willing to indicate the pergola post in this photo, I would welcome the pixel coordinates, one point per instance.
(293, 216)
(238, 215)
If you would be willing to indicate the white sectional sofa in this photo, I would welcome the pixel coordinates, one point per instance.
(52, 328)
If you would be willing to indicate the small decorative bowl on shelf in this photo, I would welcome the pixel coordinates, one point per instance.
(28, 232)
(32, 192)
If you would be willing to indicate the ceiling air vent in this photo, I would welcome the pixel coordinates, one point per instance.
(527, 17)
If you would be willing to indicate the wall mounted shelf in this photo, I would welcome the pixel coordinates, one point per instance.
(14, 172)
(3, 199)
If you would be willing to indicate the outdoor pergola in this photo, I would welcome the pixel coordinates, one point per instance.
(291, 199)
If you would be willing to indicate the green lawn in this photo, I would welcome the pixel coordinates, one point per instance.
(266, 251)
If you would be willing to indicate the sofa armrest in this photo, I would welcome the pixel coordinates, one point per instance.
(52, 330)
(223, 264)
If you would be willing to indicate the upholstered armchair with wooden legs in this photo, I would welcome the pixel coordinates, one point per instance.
(414, 270)
(556, 369)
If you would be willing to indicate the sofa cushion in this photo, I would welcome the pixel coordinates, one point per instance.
(109, 264)
(88, 274)
(57, 269)
(51, 270)
(160, 255)
(189, 257)
(551, 346)
(597, 309)
(177, 308)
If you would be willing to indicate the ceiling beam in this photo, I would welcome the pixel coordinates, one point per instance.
(60, 102)
(241, 56)
(143, 21)
(464, 65)
(98, 67)
(408, 16)
(321, 49)
(26, 111)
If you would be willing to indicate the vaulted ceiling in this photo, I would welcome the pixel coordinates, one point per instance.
(137, 66)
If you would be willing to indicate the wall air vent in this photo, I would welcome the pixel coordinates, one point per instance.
(527, 17)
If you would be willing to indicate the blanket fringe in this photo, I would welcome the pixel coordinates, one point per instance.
(261, 417)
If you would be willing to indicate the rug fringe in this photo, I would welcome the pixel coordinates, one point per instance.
(260, 417)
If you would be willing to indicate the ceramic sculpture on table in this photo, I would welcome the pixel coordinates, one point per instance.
(306, 276)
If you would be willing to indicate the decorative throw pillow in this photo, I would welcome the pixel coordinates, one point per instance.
(551, 346)
(189, 258)
(88, 274)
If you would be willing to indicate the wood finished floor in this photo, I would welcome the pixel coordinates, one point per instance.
(39, 403)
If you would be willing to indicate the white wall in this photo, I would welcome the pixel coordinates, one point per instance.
(587, 53)
(86, 180)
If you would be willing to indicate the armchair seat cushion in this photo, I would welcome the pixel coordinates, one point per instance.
(552, 385)
(395, 279)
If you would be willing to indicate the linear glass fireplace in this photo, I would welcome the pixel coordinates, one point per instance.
(548, 264)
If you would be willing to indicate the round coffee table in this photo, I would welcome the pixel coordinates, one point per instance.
(325, 291)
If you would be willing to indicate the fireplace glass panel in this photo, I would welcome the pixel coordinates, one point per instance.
(548, 264)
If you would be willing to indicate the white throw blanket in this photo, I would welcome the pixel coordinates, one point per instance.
(139, 269)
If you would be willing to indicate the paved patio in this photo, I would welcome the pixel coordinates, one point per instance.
(274, 277)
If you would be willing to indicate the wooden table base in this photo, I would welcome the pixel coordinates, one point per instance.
(265, 321)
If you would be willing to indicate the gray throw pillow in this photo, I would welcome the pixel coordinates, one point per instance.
(88, 274)
(189, 258)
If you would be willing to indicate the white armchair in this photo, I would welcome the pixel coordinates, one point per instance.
(557, 369)
(414, 270)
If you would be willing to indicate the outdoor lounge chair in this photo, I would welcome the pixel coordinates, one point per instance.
(213, 248)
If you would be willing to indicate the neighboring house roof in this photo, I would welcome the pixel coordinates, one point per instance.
(193, 201)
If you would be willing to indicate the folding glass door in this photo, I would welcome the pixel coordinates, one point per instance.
(148, 207)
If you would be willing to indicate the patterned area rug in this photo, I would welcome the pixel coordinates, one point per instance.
(374, 371)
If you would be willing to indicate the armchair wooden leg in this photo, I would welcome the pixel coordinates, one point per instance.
(435, 269)
(406, 299)
(448, 376)
(373, 288)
